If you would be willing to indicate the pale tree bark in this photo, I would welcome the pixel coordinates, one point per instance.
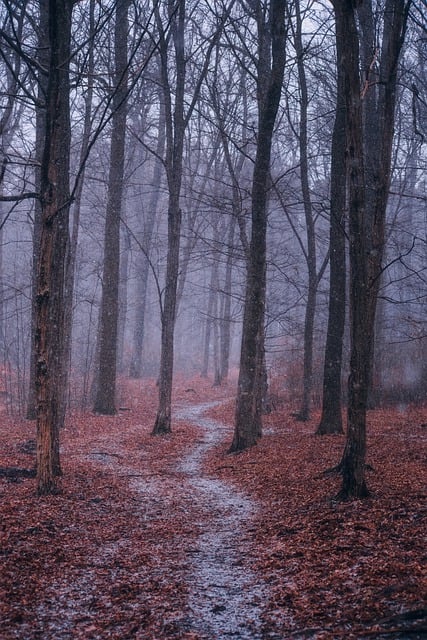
(105, 397)
(270, 72)
(366, 218)
(331, 418)
(53, 245)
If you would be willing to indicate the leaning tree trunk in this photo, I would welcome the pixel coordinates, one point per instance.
(271, 63)
(105, 398)
(331, 418)
(53, 245)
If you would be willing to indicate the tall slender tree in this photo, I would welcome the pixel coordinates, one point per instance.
(270, 20)
(331, 418)
(310, 250)
(177, 118)
(105, 398)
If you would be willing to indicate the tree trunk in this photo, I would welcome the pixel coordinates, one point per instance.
(225, 323)
(53, 245)
(176, 123)
(143, 260)
(366, 225)
(72, 252)
(331, 418)
(123, 299)
(310, 254)
(105, 398)
(271, 62)
(175, 128)
(43, 60)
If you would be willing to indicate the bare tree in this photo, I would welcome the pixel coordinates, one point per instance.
(331, 418)
(177, 119)
(270, 72)
(53, 245)
(105, 398)
(367, 208)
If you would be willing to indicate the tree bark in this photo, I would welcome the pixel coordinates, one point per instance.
(271, 63)
(175, 128)
(76, 209)
(366, 221)
(331, 418)
(225, 322)
(143, 259)
(310, 253)
(53, 245)
(105, 398)
(43, 60)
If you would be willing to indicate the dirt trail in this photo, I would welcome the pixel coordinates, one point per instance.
(225, 595)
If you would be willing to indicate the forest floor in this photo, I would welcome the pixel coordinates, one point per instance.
(171, 537)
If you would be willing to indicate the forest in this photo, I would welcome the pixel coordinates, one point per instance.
(213, 302)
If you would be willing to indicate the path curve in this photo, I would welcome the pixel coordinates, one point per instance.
(226, 596)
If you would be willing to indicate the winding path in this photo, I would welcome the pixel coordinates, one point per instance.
(225, 595)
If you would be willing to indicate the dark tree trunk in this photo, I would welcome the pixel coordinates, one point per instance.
(225, 323)
(271, 62)
(366, 226)
(123, 298)
(105, 398)
(43, 60)
(310, 253)
(331, 418)
(72, 252)
(176, 122)
(175, 128)
(53, 246)
(143, 259)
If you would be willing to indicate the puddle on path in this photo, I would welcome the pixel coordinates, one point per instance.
(225, 595)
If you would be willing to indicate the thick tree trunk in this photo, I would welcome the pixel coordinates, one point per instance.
(53, 246)
(248, 424)
(105, 398)
(331, 418)
(366, 226)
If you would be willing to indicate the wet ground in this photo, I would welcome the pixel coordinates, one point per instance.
(225, 594)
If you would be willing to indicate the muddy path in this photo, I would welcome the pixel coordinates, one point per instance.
(225, 595)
